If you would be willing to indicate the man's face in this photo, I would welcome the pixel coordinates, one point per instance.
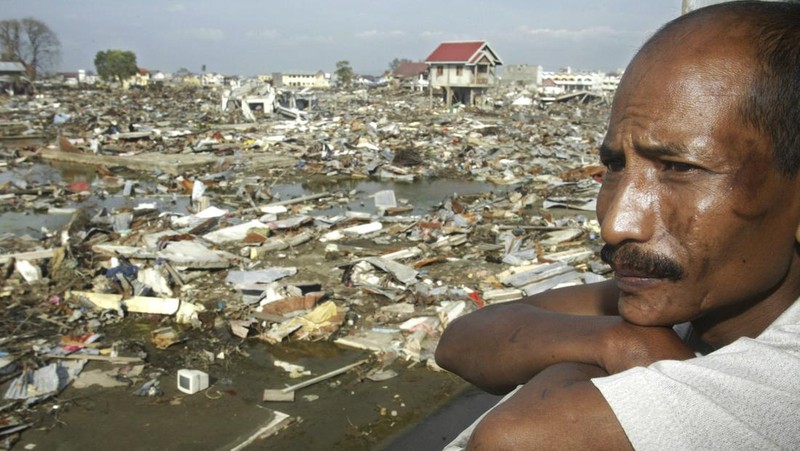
(702, 222)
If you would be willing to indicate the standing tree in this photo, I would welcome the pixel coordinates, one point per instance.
(344, 73)
(115, 64)
(31, 42)
(397, 62)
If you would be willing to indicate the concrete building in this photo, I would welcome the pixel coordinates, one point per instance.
(317, 79)
(565, 81)
(140, 79)
(522, 75)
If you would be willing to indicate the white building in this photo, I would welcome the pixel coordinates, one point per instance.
(317, 79)
(565, 81)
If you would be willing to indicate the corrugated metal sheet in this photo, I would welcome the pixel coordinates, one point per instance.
(11, 66)
(44, 382)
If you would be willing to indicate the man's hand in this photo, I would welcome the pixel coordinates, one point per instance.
(627, 346)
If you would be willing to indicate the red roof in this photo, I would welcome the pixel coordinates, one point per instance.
(467, 52)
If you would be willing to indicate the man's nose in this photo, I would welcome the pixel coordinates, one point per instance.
(627, 210)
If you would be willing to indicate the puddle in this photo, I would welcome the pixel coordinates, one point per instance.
(424, 195)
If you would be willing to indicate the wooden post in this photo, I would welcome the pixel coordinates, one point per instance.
(430, 91)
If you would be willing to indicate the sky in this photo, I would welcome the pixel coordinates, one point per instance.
(251, 37)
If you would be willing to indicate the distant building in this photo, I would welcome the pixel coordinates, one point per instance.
(549, 88)
(413, 75)
(159, 77)
(464, 70)
(68, 78)
(212, 79)
(610, 82)
(11, 69)
(141, 78)
(187, 80)
(87, 78)
(565, 81)
(522, 75)
(81, 77)
(317, 79)
(12, 77)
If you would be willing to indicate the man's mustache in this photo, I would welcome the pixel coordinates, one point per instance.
(637, 261)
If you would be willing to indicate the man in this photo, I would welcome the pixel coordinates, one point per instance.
(700, 212)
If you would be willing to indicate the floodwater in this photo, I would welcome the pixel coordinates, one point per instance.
(423, 195)
(417, 409)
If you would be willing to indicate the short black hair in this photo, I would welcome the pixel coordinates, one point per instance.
(772, 103)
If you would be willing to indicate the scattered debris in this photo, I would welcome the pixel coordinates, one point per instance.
(287, 394)
(205, 219)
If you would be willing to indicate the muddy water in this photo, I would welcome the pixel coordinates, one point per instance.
(423, 195)
(417, 409)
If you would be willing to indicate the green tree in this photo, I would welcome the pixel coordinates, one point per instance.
(115, 64)
(344, 73)
(31, 42)
(397, 62)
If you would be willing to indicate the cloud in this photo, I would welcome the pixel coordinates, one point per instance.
(372, 34)
(431, 34)
(200, 34)
(263, 34)
(315, 39)
(176, 7)
(563, 34)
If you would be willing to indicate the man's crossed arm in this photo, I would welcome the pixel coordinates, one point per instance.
(553, 344)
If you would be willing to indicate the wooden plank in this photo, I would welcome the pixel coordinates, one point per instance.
(32, 255)
(103, 358)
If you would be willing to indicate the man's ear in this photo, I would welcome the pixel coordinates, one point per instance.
(797, 234)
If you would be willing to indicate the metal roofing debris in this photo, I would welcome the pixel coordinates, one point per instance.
(11, 67)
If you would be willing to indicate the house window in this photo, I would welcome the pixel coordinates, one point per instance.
(483, 69)
(459, 71)
(439, 71)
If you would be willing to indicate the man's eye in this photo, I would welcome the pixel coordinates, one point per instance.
(615, 165)
(679, 167)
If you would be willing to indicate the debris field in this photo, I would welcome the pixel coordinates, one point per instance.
(174, 252)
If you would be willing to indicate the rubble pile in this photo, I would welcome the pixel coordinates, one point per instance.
(210, 256)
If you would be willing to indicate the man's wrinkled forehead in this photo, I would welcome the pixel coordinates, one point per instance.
(672, 108)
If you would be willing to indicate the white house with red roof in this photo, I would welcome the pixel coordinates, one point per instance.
(464, 70)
